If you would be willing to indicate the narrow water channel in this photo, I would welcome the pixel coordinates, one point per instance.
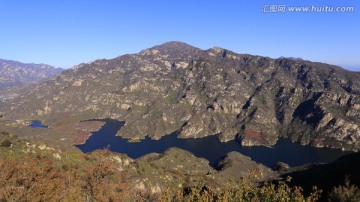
(209, 147)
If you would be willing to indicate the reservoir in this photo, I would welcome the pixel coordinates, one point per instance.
(209, 147)
(37, 124)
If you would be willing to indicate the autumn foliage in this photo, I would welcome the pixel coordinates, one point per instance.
(37, 178)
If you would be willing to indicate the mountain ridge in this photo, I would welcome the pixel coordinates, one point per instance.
(178, 87)
(16, 74)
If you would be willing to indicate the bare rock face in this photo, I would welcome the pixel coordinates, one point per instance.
(177, 87)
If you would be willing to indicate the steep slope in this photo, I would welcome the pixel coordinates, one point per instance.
(175, 86)
(16, 74)
(346, 167)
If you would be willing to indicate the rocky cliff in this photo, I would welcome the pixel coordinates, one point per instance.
(175, 86)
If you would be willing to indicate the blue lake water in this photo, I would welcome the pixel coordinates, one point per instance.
(209, 147)
(37, 124)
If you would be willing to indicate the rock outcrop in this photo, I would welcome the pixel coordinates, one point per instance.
(240, 166)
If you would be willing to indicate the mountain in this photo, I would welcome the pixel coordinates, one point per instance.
(16, 74)
(177, 87)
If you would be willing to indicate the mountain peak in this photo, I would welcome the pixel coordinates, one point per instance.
(172, 48)
(217, 49)
(175, 44)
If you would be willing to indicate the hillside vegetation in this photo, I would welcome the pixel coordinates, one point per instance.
(31, 172)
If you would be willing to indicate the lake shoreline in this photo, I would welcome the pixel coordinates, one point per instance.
(208, 147)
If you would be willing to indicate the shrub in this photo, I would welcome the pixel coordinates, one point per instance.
(5, 143)
(244, 192)
(4, 134)
(345, 193)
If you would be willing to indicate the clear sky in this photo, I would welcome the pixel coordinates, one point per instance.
(64, 33)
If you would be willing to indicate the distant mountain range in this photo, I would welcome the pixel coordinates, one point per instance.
(353, 67)
(16, 74)
(178, 87)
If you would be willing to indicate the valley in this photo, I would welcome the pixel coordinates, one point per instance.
(208, 147)
(179, 101)
(174, 116)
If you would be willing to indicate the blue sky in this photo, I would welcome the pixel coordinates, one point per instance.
(66, 33)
